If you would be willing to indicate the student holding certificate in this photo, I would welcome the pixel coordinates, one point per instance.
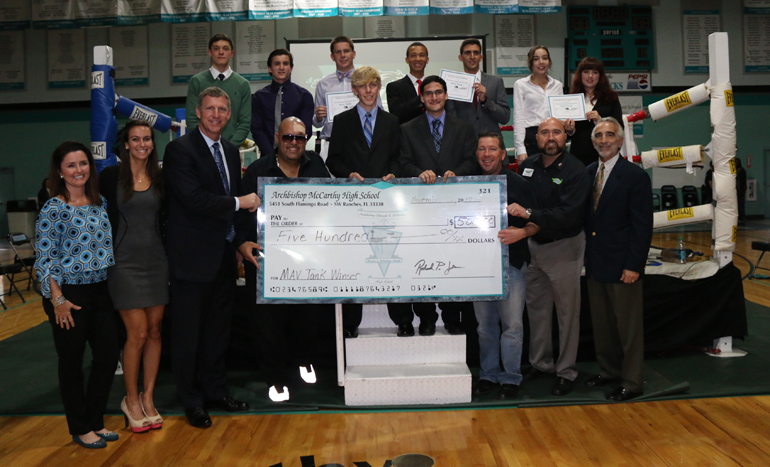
(600, 101)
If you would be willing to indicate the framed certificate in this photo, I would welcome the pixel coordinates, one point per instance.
(567, 106)
(459, 85)
(338, 102)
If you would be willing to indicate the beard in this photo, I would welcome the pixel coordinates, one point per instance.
(554, 150)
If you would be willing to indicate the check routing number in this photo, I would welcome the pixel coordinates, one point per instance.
(340, 240)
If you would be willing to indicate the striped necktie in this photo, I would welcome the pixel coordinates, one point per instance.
(598, 185)
(223, 174)
(368, 129)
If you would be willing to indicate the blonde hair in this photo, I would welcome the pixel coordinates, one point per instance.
(364, 75)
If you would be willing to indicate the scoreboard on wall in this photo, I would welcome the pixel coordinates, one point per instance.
(620, 36)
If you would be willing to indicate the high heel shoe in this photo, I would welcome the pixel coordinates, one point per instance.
(155, 422)
(137, 426)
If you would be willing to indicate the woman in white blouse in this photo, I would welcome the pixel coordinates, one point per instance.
(530, 101)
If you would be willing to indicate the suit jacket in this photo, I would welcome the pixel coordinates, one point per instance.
(619, 232)
(582, 147)
(458, 148)
(403, 101)
(495, 111)
(349, 152)
(200, 212)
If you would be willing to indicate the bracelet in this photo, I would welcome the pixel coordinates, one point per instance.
(58, 300)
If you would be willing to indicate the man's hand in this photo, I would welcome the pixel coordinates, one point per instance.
(357, 176)
(517, 210)
(247, 251)
(481, 92)
(629, 277)
(250, 202)
(448, 173)
(428, 177)
(569, 126)
(320, 112)
(511, 235)
(521, 157)
(388, 177)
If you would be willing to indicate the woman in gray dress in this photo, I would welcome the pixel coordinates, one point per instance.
(138, 282)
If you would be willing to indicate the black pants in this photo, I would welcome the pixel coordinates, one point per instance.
(402, 313)
(95, 324)
(530, 141)
(201, 315)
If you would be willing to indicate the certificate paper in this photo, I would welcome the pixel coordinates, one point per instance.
(338, 240)
(459, 85)
(338, 102)
(568, 106)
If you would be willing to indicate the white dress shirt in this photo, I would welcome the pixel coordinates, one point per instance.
(215, 73)
(608, 166)
(210, 143)
(530, 106)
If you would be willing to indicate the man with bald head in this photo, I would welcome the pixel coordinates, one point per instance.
(282, 331)
(561, 185)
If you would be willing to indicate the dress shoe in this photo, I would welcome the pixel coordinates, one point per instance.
(405, 330)
(108, 435)
(427, 329)
(534, 374)
(562, 387)
(198, 417)
(484, 387)
(454, 329)
(156, 421)
(508, 391)
(228, 404)
(597, 380)
(98, 444)
(622, 394)
(138, 425)
(350, 333)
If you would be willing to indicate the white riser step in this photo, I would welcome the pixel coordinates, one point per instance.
(383, 347)
(376, 316)
(408, 384)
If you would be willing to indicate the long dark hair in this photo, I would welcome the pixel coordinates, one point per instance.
(153, 170)
(603, 91)
(56, 182)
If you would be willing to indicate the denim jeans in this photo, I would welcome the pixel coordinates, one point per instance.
(492, 346)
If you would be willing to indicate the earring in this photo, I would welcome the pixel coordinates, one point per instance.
(61, 176)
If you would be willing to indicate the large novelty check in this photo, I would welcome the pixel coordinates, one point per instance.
(340, 240)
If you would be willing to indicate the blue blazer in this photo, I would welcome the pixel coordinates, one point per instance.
(619, 232)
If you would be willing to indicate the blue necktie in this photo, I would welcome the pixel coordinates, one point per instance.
(368, 129)
(223, 176)
(437, 135)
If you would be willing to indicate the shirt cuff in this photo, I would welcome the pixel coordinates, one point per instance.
(237, 204)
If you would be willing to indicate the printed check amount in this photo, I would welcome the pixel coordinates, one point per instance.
(331, 241)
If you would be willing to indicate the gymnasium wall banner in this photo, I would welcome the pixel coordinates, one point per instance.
(270, 9)
(539, 6)
(360, 8)
(95, 13)
(131, 12)
(315, 8)
(497, 7)
(451, 7)
(406, 7)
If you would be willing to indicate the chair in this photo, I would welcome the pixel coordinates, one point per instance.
(668, 194)
(763, 247)
(655, 202)
(8, 270)
(17, 240)
(689, 196)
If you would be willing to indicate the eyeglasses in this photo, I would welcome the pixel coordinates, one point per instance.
(290, 138)
(438, 93)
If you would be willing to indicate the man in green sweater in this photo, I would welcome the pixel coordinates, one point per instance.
(220, 74)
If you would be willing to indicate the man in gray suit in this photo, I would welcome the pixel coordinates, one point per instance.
(490, 107)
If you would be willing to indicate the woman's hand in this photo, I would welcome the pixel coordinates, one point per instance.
(593, 116)
(63, 314)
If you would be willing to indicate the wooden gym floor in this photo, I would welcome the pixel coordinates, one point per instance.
(698, 432)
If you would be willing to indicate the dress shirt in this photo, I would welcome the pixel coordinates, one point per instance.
(297, 102)
(608, 166)
(330, 83)
(215, 73)
(210, 143)
(362, 116)
(414, 82)
(442, 118)
(530, 107)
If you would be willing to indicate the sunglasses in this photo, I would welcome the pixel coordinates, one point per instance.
(290, 138)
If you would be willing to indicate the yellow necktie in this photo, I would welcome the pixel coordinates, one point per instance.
(598, 186)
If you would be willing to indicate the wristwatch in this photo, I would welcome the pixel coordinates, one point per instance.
(528, 211)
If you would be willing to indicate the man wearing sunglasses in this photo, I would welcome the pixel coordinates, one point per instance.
(281, 328)
(364, 144)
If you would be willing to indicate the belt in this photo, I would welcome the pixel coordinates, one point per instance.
(543, 241)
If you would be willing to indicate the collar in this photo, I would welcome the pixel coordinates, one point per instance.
(215, 73)
(557, 163)
(362, 112)
(609, 164)
(274, 85)
(304, 159)
(210, 142)
(414, 79)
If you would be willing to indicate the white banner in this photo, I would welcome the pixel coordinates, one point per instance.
(514, 36)
(696, 27)
(451, 7)
(66, 58)
(254, 40)
(15, 14)
(227, 10)
(53, 14)
(96, 13)
(384, 27)
(182, 11)
(633, 104)
(189, 50)
(406, 7)
(756, 40)
(539, 6)
(138, 11)
(497, 7)
(131, 55)
(315, 8)
(361, 7)
(270, 9)
(11, 60)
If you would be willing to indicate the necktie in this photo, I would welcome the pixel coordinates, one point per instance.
(368, 129)
(221, 77)
(475, 101)
(343, 74)
(437, 135)
(419, 82)
(598, 186)
(223, 176)
(278, 115)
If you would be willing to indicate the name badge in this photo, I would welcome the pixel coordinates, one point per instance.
(528, 172)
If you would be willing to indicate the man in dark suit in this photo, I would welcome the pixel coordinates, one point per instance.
(435, 145)
(364, 144)
(403, 95)
(202, 175)
(618, 236)
(490, 107)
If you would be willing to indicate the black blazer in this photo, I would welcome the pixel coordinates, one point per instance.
(582, 147)
(458, 148)
(619, 233)
(200, 212)
(348, 151)
(403, 101)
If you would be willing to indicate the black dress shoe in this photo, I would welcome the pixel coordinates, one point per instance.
(350, 333)
(228, 404)
(454, 329)
(483, 387)
(534, 374)
(198, 417)
(508, 391)
(562, 387)
(622, 394)
(427, 329)
(597, 380)
(405, 330)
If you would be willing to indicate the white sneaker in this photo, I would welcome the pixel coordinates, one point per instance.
(307, 375)
(275, 396)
